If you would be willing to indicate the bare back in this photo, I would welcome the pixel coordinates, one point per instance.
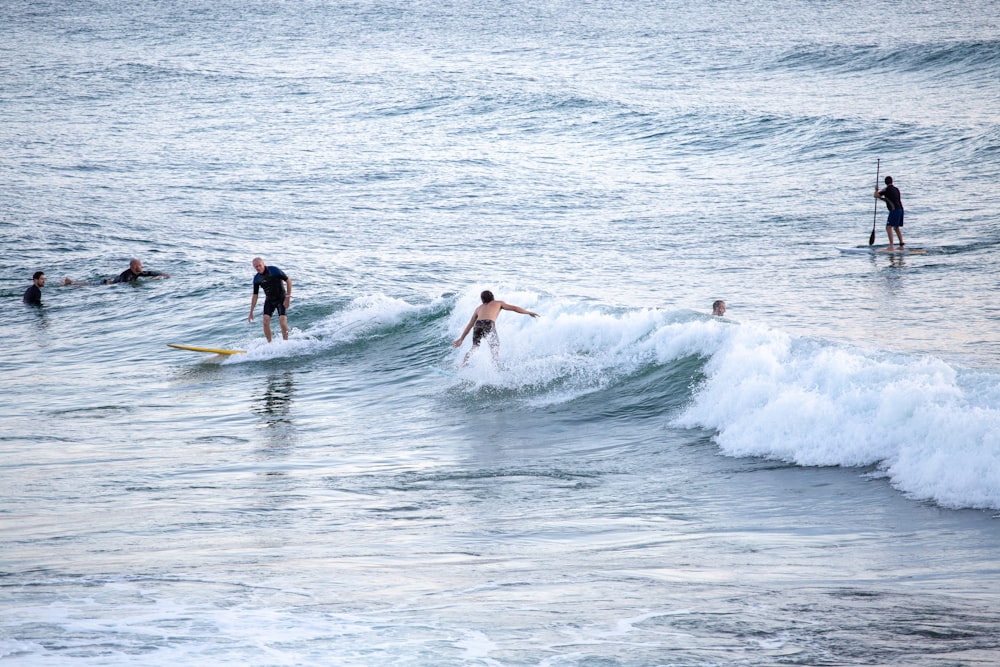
(489, 311)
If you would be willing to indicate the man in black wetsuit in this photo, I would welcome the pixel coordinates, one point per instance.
(894, 202)
(33, 295)
(134, 271)
(275, 296)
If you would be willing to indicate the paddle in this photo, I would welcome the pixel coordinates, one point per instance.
(871, 239)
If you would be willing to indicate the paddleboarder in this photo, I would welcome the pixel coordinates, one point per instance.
(894, 202)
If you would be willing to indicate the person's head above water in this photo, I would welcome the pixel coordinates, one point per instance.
(719, 307)
(888, 180)
(486, 296)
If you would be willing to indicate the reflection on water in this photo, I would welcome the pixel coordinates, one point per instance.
(897, 261)
(274, 402)
(40, 319)
(273, 405)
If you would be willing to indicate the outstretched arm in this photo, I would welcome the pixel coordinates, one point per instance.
(468, 328)
(517, 309)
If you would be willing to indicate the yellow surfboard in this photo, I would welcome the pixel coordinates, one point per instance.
(209, 350)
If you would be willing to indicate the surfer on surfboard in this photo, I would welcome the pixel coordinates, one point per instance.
(275, 296)
(483, 323)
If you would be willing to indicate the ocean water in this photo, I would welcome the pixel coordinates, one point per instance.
(813, 479)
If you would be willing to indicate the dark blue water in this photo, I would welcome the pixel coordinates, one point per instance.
(813, 479)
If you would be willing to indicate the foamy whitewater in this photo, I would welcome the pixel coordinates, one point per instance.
(929, 428)
(812, 479)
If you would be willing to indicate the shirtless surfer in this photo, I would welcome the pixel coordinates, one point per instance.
(483, 323)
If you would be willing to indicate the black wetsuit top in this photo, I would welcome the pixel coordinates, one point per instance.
(33, 296)
(273, 280)
(128, 276)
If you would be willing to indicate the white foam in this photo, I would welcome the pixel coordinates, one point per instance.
(928, 427)
(363, 316)
(931, 428)
(582, 346)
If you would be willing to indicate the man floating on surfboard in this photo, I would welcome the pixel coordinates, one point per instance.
(275, 296)
(483, 323)
(133, 272)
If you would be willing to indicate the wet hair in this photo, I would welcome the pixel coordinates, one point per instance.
(888, 180)
(486, 296)
(37, 275)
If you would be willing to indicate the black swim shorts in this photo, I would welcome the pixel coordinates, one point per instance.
(271, 306)
(480, 329)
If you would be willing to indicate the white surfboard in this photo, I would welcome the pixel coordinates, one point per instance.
(882, 250)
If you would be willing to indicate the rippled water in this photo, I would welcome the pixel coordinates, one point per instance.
(811, 480)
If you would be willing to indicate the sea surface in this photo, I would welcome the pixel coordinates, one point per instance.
(813, 479)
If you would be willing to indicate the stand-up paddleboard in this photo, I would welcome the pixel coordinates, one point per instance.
(208, 350)
(883, 250)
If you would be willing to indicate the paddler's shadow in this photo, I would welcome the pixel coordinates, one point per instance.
(273, 404)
